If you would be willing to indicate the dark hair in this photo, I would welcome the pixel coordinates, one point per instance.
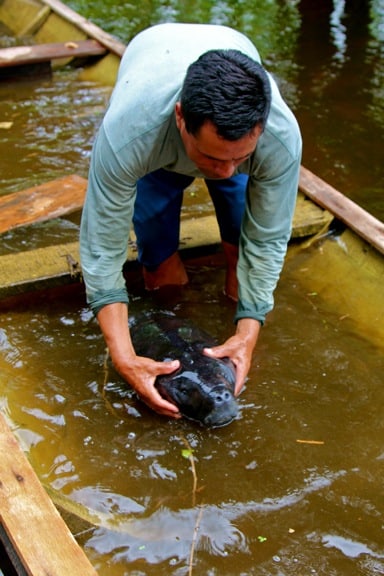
(229, 89)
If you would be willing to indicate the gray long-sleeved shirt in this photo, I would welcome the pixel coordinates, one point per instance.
(139, 135)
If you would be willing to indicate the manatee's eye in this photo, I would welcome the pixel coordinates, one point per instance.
(184, 390)
(184, 387)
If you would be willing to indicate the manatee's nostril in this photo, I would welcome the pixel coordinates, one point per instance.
(221, 397)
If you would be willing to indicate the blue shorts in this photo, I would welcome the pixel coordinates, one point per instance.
(157, 209)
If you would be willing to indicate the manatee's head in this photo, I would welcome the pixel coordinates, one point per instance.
(224, 407)
(207, 398)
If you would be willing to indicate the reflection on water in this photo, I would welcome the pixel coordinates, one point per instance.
(327, 57)
(51, 129)
(264, 503)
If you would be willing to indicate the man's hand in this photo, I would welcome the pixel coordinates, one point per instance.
(239, 349)
(138, 371)
(141, 374)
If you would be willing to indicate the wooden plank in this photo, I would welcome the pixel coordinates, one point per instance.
(17, 15)
(346, 277)
(60, 264)
(40, 203)
(38, 534)
(38, 269)
(91, 29)
(48, 267)
(309, 218)
(21, 55)
(359, 220)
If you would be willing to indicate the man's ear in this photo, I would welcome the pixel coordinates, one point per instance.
(179, 115)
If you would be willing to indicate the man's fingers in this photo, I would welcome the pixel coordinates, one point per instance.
(154, 400)
(160, 405)
(216, 352)
(223, 352)
(240, 381)
(167, 367)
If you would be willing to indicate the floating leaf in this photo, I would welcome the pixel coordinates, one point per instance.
(187, 453)
(261, 539)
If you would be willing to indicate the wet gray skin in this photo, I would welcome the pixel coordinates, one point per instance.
(202, 387)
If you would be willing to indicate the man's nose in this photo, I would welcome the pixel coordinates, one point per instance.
(225, 169)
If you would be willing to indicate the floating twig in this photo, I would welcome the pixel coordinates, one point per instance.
(194, 540)
(317, 442)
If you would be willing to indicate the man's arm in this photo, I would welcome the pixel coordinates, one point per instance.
(105, 225)
(266, 228)
(138, 371)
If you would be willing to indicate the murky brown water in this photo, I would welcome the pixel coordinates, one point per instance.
(52, 126)
(265, 504)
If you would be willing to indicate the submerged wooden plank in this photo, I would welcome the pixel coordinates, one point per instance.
(60, 264)
(47, 267)
(43, 202)
(21, 55)
(345, 275)
(355, 217)
(309, 219)
(38, 269)
(34, 528)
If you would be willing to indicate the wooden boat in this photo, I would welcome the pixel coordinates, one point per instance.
(58, 36)
(48, 35)
(347, 269)
(336, 251)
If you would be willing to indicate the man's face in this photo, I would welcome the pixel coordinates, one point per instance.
(214, 156)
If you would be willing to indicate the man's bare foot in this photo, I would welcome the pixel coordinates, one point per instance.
(171, 272)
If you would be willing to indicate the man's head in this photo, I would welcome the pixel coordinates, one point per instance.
(230, 90)
(223, 109)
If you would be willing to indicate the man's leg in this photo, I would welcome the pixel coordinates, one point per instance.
(228, 197)
(156, 222)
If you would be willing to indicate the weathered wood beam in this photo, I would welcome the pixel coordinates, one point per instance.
(33, 528)
(356, 218)
(43, 202)
(86, 26)
(22, 55)
(54, 265)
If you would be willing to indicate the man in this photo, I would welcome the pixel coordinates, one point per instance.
(190, 101)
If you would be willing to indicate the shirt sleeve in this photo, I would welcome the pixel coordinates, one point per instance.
(267, 222)
(105, 225)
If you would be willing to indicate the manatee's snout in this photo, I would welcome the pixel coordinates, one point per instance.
(225, 407)
(221, 396)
